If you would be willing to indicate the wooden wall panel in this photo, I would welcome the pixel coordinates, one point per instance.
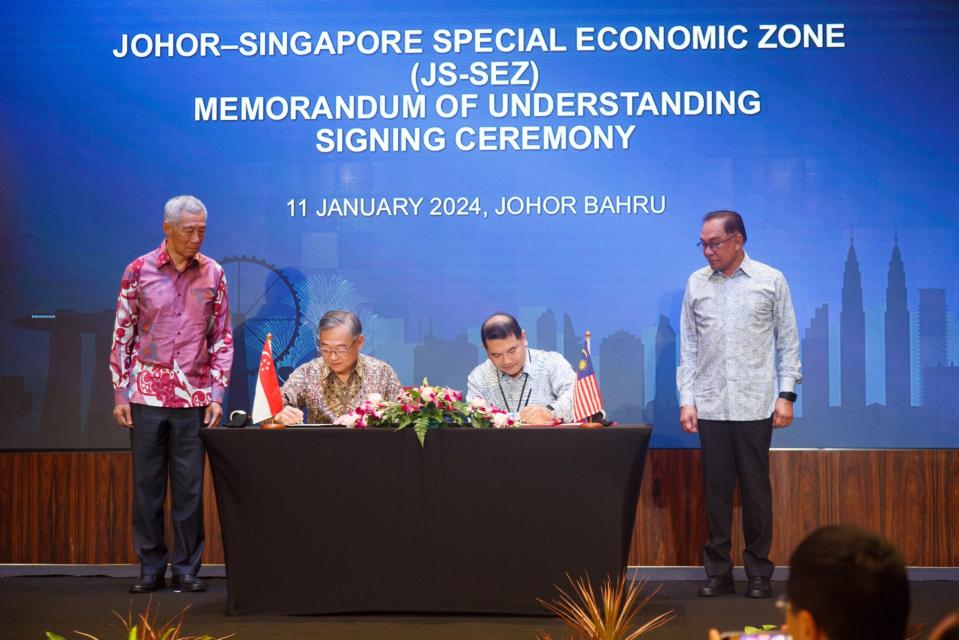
(74, 507)
(913, 497)
(798, 481)
(670, 508)
(213, 553)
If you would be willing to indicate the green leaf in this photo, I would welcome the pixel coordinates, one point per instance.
(54, 636)
(421, 425)
(765, 627)
(133, 633)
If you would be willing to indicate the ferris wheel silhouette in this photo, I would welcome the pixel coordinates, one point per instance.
(263, 300)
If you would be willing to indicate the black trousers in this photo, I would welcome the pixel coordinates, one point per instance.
(732, 450)
(166, 443)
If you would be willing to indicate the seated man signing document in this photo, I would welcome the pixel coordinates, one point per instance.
(532, 386)
(340, 379)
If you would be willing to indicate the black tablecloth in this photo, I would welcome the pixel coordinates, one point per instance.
(347, 520)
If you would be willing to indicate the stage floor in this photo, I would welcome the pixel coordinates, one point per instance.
(31, 605)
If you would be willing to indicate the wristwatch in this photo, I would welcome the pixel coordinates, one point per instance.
(788, 395)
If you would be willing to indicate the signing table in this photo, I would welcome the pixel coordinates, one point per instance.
(330, 520)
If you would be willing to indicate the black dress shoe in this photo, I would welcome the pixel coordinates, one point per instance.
(717, 586)
(190, 584)
(147, 584)
(759, 588)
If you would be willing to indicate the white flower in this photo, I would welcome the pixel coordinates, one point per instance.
(428, 394)
(499, 420)
(478, 403)
(375, 398)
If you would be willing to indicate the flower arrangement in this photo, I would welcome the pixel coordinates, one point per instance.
(423, 408)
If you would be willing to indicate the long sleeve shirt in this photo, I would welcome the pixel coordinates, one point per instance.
(317, 387)
(547, 379)
(172, 341)
(733, 331)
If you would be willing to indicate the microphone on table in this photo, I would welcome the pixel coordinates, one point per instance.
(238, 419)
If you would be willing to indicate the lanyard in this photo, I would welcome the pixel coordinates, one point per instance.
(522, 389)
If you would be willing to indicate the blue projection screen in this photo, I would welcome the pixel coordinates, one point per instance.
(426, 164)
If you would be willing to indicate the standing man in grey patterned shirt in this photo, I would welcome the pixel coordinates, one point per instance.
(737, 323)
(531, 385)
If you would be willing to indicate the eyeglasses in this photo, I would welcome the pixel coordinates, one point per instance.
(713, 246)
(337, 351)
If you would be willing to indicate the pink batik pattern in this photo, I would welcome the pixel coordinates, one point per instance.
(142, 382)
(221, 348)
(123, 355)
(163, 387)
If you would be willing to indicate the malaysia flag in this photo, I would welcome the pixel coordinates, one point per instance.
(586, 399)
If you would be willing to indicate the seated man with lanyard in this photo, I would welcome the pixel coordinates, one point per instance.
(533, 386)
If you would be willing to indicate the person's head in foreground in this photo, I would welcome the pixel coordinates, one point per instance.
(846, 584)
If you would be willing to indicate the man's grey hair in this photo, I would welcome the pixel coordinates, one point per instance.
(333, 319)
(176, 206)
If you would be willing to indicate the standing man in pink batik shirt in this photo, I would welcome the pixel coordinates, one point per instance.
(171, 358)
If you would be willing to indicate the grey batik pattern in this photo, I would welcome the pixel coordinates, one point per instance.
(546, 380)
(733, 331)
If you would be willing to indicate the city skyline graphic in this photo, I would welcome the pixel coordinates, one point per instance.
(636, 371)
